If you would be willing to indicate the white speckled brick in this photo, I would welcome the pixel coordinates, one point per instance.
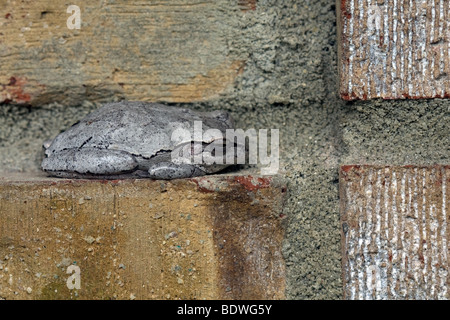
(394, 49)
(395, 232)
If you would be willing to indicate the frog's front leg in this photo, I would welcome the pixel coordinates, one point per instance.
(89, 162)
(170, 170)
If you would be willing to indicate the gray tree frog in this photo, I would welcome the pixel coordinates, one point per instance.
(133, 139)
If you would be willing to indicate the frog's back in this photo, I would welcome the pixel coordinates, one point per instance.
(139, 128)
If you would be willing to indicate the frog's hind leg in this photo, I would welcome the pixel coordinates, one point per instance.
(170, 170)
(89, 163)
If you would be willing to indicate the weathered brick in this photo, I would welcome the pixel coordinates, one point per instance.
(395, 232)
(172, 51)
(215, 237)
(394, 49)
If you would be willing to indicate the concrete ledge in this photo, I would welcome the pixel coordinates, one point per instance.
(215, 237)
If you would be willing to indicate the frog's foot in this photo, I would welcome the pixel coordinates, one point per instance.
(89, 162)
(47, 144)
(170, 170)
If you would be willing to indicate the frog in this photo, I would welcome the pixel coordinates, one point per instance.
(135, 139)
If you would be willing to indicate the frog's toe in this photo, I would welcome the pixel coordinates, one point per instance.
(47, 143)
(169, 170)
(90, 161)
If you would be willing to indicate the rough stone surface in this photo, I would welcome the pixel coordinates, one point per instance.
(289, 82)
(216, 237)
(394, 49)
(394, 224)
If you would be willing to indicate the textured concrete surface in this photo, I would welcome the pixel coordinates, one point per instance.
(394, 224)
(289, 82)
(216, 237)
(394, 49)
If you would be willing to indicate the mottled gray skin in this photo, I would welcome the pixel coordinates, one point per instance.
(131, 139)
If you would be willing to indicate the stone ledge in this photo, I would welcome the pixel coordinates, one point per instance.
(214, 237)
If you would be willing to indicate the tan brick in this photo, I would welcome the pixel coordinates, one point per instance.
(394, 49)
(153, 50)
(215, 237)
(395, 232)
